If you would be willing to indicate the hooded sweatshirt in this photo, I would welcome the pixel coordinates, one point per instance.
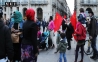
(62, 46)
(17, 17)
(6, 46)
(82, 18)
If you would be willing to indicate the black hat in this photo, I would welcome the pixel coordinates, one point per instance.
(91, 12)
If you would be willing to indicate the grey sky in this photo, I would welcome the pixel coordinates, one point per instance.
(71, 5)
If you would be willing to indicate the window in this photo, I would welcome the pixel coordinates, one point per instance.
(85, 1)
(18, 8)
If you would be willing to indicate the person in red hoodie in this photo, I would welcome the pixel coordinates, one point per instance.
(81, 36)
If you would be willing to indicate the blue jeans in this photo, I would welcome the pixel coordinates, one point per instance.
(64, 56)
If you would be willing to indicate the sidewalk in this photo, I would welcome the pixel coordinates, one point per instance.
(49, 56)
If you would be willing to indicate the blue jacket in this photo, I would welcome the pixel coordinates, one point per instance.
(82, 19)
(12, 22)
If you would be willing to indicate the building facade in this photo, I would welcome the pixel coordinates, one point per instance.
(43, 8)
(87, 5)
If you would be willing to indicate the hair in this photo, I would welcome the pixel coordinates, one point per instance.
(81, 10)
(30, 14)
(62, 35)
(51, 18)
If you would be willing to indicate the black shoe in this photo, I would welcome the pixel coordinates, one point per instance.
(92, 57)
(96, 57)
(46, 48)
(69, 48)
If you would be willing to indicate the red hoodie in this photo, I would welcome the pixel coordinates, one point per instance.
(80, 32)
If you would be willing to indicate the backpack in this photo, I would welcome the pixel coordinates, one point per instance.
(83, 34)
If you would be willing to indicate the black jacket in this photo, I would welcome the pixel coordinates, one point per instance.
(6, 46)
(92, 29)
(30, 34)
(63, 25)
(69, 31)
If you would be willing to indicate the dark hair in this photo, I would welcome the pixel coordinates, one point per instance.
(91, 12)
(62, 35)
(81, 10)
(51, 18)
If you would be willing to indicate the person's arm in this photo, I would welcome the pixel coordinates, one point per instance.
(9, 44)
(80, 17)
(34, 37)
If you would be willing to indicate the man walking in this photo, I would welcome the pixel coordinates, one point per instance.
(93, 34)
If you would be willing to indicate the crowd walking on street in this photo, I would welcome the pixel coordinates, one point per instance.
(21, 40)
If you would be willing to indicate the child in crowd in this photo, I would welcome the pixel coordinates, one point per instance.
(62, 48)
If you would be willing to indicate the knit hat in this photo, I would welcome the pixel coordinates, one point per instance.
(30, 14)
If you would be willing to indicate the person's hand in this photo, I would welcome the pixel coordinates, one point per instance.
(12, 29)
(90, 37)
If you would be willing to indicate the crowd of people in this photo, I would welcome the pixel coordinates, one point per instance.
(21, 40)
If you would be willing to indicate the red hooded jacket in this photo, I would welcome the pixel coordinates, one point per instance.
(80, 32)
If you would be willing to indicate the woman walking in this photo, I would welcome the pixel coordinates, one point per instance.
(29, 48)
(81, 36)
(51, 27)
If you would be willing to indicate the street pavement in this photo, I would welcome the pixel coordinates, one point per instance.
(49, 56)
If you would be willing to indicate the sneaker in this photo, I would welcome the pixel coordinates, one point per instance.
(92, 57)
(69, 48)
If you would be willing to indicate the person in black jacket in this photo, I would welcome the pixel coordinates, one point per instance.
(69, 32)
(92, 29)
(29, 48)
(6, 45)
(63, 25)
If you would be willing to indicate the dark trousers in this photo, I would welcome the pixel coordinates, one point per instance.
(69, 42)
(17, 52)
(93, 45)
(77, 50)
(43, 28)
